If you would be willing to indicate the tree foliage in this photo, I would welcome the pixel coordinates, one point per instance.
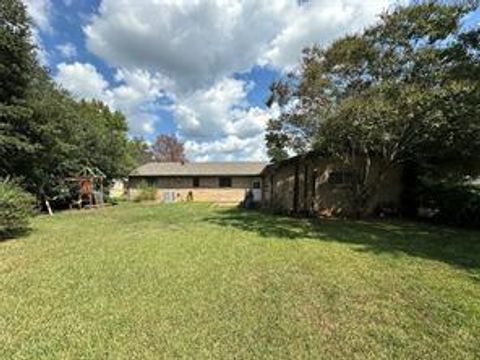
(45, 134)
(16, 50)
(139, 152)
(16, 208)
(16, 66)
(168, 148)
(405, 90)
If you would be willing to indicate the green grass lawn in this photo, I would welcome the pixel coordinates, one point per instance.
(198, 281)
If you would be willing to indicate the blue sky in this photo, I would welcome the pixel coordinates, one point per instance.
(199, 69)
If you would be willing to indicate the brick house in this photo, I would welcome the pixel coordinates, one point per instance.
(305, 184)
(225, 182)
(312, 184)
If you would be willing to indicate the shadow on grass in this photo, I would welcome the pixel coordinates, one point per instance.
(457, 247)
(14, 234)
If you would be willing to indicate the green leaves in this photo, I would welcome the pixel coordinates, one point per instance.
(16, 208)
(46, 135)
(16, 51)
(402, 85)
(404, 90)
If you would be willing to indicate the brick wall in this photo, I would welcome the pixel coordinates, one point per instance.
(208, 190)
(314, 192)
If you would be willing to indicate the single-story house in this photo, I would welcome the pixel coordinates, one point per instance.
(223, 182)
(304, 184)
(312, 184)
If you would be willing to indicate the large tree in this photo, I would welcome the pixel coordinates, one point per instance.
(17, 64)
(168, 148)
(405, 91)
(139, 152)
(45, 134)
(68, 135)
(105, 138)
(16, 50)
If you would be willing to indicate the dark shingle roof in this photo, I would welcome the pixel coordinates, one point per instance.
(200, 169)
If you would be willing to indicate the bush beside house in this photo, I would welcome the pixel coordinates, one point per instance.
(145, 192)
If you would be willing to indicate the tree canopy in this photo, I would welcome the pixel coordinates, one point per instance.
(168, 148)
(45, 134)
(165, 148)
(406, 90)
(17, 63)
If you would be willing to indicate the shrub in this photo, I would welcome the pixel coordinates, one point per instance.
(145, 192)
(453, 204)
(16, 209)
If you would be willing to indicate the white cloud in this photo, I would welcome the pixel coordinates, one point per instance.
(135, 92)
(194, 42)
(82, 80)
(208, 113)
(320, 22)
(199, 42)
(40, 11)
(136, 95)
(228, 149)
(192, 49)
(67, 50)
(218, 122)
(41, 52)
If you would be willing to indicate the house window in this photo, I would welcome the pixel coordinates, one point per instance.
(341, 177)
(225, 181)
(196, 182)
(256, 184)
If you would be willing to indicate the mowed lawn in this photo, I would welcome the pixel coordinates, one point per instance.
(200, 281)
